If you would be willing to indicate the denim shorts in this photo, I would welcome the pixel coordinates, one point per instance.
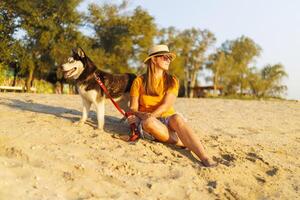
(145, 135)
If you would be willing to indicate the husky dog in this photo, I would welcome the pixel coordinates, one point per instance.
(81, 69)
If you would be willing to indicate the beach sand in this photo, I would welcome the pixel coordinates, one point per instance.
(43, 155)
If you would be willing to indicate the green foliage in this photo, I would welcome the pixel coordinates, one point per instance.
(8, 26)
(267, 82)
(121, 38)
(2, 74)
(231, 69)
(242, 51)
(43, 86)
(7, 78)
(45, 24)
(230, 64)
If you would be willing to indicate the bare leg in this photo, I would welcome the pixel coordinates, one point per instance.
(189, 138)
(160, 131)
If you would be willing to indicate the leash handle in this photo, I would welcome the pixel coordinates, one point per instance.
(135, 134)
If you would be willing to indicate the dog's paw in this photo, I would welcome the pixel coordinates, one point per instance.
(99, 128)
(100, 125)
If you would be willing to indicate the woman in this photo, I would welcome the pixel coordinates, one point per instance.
(152, 97)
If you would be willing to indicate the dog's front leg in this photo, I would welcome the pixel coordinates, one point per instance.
(100, 112)
(85, 111)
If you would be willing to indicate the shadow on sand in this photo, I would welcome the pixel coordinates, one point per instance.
(112, 124)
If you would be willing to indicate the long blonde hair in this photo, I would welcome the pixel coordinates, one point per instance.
(148, 79)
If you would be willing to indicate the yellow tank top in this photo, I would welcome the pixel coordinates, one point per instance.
(149, 103)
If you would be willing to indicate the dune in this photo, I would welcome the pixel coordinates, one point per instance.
(43, 155)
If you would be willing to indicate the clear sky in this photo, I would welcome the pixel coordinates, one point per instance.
(273, 24)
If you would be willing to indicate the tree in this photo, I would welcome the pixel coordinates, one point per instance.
(272, 76)
(45, 24)
(230, 64)
(256, 83)
(8, 26)
(218, 63)
(243, 51)
(123, 38)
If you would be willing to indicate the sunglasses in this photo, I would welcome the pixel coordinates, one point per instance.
(164, 57)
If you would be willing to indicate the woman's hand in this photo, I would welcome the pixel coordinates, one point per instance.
(138, 116)
(132, 119)
(145, 115)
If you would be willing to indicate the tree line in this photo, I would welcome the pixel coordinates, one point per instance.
(118, 43)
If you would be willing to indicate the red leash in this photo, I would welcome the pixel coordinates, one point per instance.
(134, 131)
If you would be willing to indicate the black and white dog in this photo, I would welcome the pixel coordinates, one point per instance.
(80, 68)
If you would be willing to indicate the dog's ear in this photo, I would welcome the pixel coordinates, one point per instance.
(80, 52)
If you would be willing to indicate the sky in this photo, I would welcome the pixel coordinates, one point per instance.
(272, 24)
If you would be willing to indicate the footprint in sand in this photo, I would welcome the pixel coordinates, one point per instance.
(13, 152)
(68, 176)
(260, 179)
(253, 157)
(230, 194)
(272, 172)
(227, 160)
(211, 186)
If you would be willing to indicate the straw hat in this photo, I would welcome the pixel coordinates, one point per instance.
(158, 50)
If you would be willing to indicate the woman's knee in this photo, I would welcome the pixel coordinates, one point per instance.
(176, 120)
(156, 128)
(148, 123)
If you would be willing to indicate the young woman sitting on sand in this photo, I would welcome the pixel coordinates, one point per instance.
(152, 97)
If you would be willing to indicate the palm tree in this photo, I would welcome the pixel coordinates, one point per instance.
(272, 77)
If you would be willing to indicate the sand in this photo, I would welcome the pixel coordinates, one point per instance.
(43, 155)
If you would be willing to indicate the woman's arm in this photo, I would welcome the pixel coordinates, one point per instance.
(134, 105)
(169, 99)
(168, 102)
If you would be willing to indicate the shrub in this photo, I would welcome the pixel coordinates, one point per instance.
(43, 86)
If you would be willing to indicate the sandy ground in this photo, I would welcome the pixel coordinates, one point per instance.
(43, 155)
